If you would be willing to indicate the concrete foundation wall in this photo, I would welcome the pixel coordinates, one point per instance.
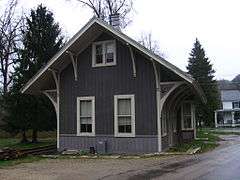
(136, 145)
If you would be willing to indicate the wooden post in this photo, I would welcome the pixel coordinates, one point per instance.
(216, 123)
(233, 120)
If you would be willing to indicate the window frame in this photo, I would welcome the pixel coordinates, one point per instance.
(235, 102)
(85, 98)
(133, 123)
(192, 117)
(104, 63)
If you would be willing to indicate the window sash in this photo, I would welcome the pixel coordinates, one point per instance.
(235, 105)
(106, 53)
(86, 116)
(127, 128)
(187, 116)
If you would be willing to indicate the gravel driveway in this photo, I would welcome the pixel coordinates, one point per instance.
(71, 169)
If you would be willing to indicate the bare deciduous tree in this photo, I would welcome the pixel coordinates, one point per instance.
(104, 8)
(147, 41)
(9, 37)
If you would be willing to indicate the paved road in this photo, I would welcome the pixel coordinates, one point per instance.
(221, 164)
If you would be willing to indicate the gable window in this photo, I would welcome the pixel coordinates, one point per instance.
(124, 115)
(235, 105)
(187, 116)
(104, 53)
(86, 116)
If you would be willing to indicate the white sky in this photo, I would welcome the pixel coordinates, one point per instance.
(174, 24)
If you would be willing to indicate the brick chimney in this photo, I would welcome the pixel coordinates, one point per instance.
(114, 20)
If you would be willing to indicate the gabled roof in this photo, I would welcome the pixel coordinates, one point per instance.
(230, 95)
(98, 22)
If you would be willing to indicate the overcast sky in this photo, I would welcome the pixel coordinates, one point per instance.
(173, 23)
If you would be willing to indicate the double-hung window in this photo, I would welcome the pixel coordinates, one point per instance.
(124, 115)
(104, 53)
(86, 116)
(187, 116)
(235, 105)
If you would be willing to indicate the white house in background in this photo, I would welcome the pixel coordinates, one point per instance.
(229, 115)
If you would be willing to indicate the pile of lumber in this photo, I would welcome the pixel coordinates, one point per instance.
(8, 154)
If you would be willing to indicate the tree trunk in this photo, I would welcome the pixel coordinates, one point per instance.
(34, 136)
(24, 137)
(5, 86)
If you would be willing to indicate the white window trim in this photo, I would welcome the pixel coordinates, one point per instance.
(116, 133)
(104, 52)
(79, 133)
(192, 118)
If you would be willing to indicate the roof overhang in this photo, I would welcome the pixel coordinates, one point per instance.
(80, 41)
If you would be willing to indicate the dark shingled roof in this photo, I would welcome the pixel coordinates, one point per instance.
(230, 95)
(228, 85)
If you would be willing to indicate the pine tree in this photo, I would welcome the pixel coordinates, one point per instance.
(200, 67)
(41, 41)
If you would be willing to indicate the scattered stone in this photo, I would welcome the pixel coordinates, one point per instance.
(193, 151)
(50, 156)
(84, 156)
(70, 152)
(111, 157)
(130, 157)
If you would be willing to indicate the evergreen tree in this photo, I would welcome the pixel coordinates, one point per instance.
(41, 41)
(201, 69)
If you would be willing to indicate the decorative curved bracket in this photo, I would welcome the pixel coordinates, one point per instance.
(74, 63)
(159, 109)
(173, 86)
(56, 77)
(133, 61)
(52, 96)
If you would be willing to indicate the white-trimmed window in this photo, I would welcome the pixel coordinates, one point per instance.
(164, 123)
(104, 53)
(86, 116)
(235, 105)
(187, 116)
(124, 115)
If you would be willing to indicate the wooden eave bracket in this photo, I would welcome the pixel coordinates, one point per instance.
(175, 86)
(48, 94)
(56, 78)
(133, 61)
(74, 63)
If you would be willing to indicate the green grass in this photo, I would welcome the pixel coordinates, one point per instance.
(15, 143)
(44, 134)
(28, 159)
(205, 145)
(219, 132)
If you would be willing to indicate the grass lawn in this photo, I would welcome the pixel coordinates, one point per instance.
(204, 144)
(15, 143)
(28, 159)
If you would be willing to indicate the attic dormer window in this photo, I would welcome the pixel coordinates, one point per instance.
(104, 53)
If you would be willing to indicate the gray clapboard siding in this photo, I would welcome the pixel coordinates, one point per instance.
(104, 83)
